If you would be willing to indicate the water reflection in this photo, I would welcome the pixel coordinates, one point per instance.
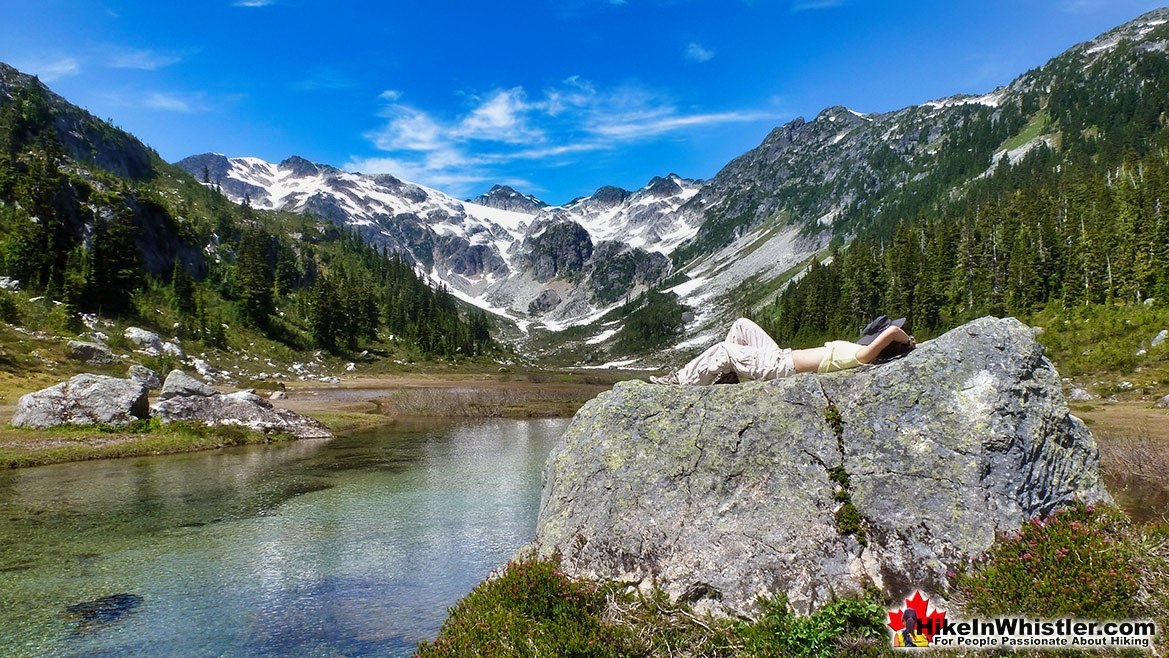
(355, 546)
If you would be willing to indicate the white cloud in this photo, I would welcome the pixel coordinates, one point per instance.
(253, 3)
(696, 52)
(555, 127)
(408, 129)
(651, 126)
(1083, 6)
(50, 70)
(459, 182)
(816, 4)
(171, 102)
(144, 60)
(500, 118)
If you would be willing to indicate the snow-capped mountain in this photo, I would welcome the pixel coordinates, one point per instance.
(504, 197)
(723, 242)
(505, 251)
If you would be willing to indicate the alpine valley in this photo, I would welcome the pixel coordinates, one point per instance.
(624, 276)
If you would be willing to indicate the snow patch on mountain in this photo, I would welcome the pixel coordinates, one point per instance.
(494, 251)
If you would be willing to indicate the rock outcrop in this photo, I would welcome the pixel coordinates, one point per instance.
(186, 398)
(144, 376)
(146, 341)
(83, 400)
(93, 353)
(817, 485)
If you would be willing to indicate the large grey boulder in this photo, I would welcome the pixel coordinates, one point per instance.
(180, 384)
(146, 341)
(720, 494)
(184, 398)
(83, 400)
(146, 376)
(93, 353)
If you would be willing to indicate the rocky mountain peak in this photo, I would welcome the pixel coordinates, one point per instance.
(663, 187)
(215, 165)
(608, 196)
(298, 166)
(504, 197)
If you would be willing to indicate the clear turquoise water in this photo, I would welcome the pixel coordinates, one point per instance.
(350, 547)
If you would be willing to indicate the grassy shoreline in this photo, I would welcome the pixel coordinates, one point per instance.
(21, 448)
(356, 404)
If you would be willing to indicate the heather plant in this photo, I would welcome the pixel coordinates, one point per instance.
(1083, 561)
(534, 609)
(531, 609)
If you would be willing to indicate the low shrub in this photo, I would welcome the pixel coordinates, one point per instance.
(532, 609)
(853, 626)
(1083, 561)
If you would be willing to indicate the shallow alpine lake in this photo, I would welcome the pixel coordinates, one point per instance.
(351, 547)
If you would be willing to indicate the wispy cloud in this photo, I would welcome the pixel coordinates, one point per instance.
(810, 5)
(696, 52)
(50, 70)
(253, 3)
(172, 102)
(325, 79)
(144, 60)
(555, 127)
(1083, 6)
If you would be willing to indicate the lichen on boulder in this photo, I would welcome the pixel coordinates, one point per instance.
(184, 398)
(814, 486)
(83, 400)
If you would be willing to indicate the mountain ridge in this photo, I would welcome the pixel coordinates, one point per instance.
(768, 212)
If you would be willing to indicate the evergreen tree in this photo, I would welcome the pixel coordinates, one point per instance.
(182, 286)
(116, 267)
(254, 277)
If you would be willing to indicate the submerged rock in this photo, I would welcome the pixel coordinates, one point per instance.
(814, 486)
(83, 400)
(185, 398)
(105, 610)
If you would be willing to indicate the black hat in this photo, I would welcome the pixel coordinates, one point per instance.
(874, 328)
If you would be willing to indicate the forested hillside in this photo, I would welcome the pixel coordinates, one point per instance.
(1077, 222)
(149, 244)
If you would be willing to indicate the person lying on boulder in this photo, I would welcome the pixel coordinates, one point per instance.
(751, 354)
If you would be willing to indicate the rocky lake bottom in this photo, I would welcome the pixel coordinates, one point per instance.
(355, 546)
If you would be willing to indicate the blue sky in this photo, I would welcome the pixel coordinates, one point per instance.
(554, 98)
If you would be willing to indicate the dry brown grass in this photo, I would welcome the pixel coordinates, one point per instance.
(1134, 455)
(521, 400)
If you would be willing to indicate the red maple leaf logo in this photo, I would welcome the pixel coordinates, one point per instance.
(929, 623)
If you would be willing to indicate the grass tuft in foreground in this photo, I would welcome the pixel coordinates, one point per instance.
(1086, 562)
(534, 609)
(21, 448)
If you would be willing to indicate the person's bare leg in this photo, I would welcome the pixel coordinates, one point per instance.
(870, 352)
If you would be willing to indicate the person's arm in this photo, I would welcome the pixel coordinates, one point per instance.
(870, 352)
